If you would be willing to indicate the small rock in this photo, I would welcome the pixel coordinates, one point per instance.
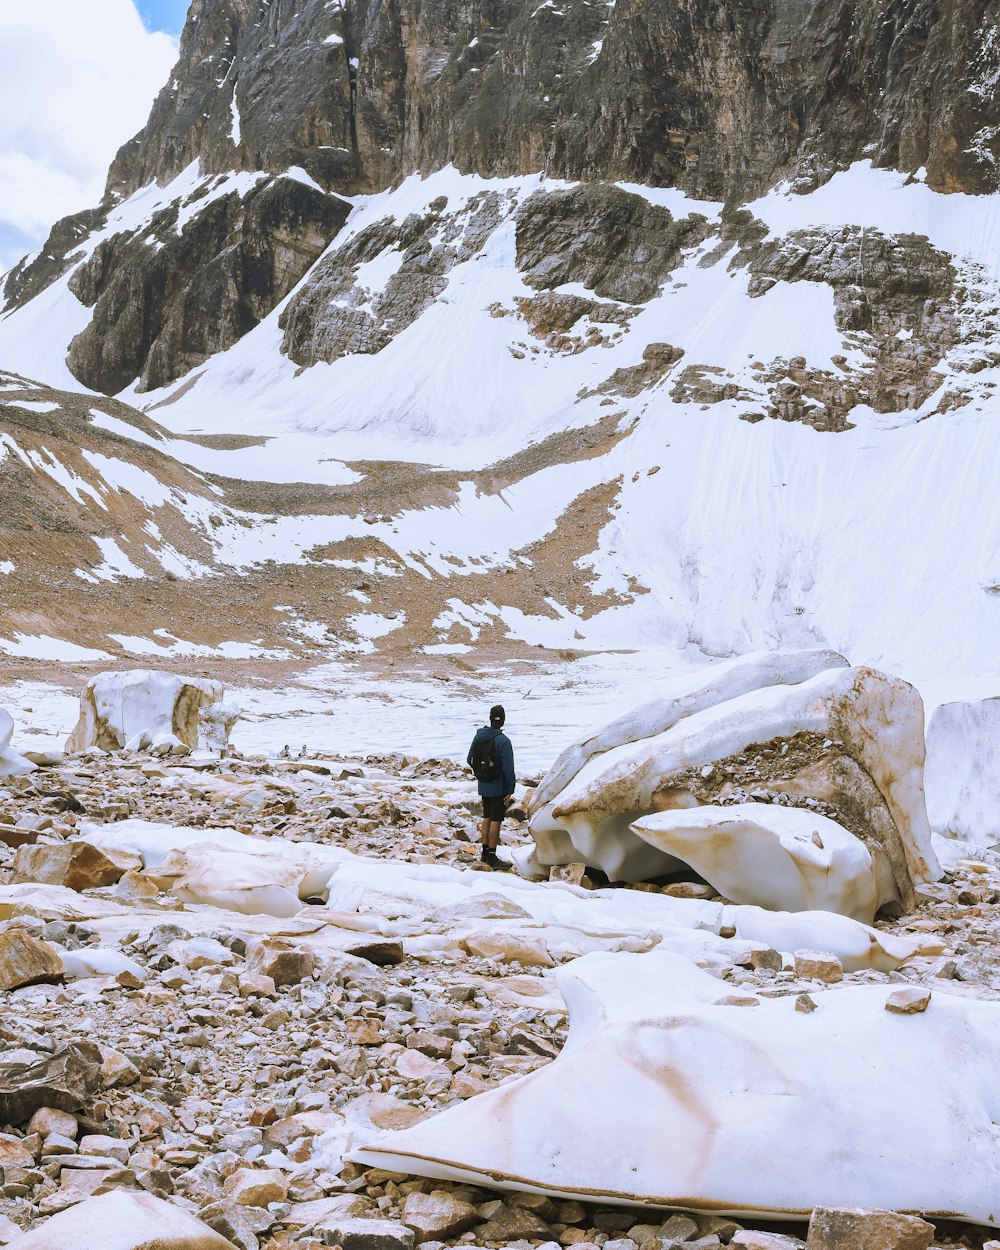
(251, 1187)
(804, 1003)
(240, 1224)
(908, 1000)
(284, 963)
(135, 886)
(117, 1069)
(254, 985)
(679, 1228)
(200, 952)
(530, 952)
(512, 1224)
(48, 1120)
(819, 966)
(57, 1144)
(356, 1234)
(857, 1228)
(437, 1215)
(766, 960)
(109, 1147)
(572, 874)
(749, 1239)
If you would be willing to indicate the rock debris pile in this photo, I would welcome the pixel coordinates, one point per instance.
(263, 1003)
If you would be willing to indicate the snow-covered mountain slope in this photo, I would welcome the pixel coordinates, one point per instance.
(517, 434)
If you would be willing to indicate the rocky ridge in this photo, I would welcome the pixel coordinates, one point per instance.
(719, 103)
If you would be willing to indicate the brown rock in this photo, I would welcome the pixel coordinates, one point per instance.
(76, 865)
(381, 951)
(857, 1228)
(572, 874)
(512, 1224)
(284, 963)
(256, 1187)
(908, 1000)
(254, 985)
(27, 960)
(819, 966)
(437, 1216)
(134, 886)
(47, 1120)
(363, 1032)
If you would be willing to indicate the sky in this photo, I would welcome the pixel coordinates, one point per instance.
(77, 79)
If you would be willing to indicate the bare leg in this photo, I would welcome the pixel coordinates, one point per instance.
(492, 835)
(484, 831)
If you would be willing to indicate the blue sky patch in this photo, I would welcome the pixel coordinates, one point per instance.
(165, 15)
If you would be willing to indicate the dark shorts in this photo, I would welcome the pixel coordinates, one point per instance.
(493, 807)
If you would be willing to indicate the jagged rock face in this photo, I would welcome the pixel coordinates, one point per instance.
(167, 297)
(33, 274)
(259, 85)
(612, 242)
(893, 299)
(715, 98)
(615, 244)
(336, 314)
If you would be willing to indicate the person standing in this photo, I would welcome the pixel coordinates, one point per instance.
(491, 758)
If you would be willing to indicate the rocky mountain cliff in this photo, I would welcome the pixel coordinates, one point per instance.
(720, 101)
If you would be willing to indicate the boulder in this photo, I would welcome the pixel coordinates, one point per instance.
(65, 1081)
(855, 1228)
(27, 960)
(123, 1221)
(747, 1107)
(75, 865)
(144, 708)
(11, 763)
(848, 741)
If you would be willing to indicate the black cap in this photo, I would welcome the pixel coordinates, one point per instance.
(497, 716)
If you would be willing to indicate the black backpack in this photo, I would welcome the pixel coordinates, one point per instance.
(484, 760)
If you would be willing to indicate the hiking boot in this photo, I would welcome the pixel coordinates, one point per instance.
(492, 860)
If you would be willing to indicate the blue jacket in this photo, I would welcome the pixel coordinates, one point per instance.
(504, 753)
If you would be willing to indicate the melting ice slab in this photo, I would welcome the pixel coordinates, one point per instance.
(145, 708)
(801, 728)
(668, 1094)
(11, 764)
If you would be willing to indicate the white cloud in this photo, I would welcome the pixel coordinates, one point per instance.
(77, 78)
